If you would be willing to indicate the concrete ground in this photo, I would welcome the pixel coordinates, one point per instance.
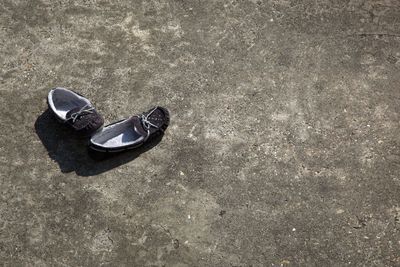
(283, 148)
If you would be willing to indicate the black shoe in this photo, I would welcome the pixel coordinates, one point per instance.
(74, 110)
(131, 133)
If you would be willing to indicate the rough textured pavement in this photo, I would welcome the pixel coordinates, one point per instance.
(283, 149)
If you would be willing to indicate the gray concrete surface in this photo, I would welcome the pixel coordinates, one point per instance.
(283, 150)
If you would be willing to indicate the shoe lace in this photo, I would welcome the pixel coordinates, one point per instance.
(86, 109)
(146, 123)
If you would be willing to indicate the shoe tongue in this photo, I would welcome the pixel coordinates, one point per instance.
(85, 123)
(155, 117)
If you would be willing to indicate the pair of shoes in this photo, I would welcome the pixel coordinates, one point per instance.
(77, 112)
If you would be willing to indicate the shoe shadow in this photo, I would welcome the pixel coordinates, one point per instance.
(72, 153)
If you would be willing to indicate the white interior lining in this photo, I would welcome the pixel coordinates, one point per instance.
(62, 100)
(116, 135)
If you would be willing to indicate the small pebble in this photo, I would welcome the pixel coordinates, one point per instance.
(339, 211)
